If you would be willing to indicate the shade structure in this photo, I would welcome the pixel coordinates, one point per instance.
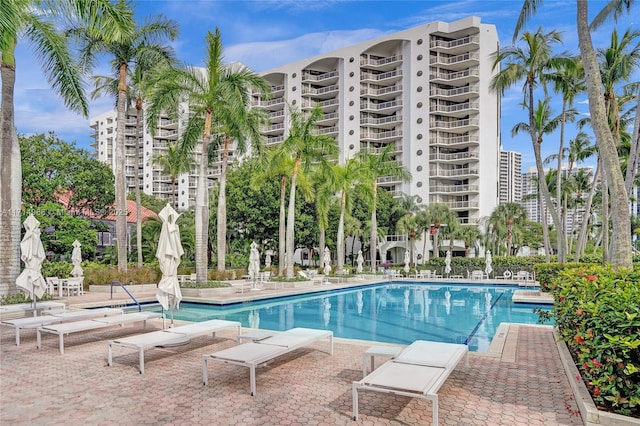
(407, 261)
(254, 263)
(32, 254)
(169, 253)
(327, 261)
(488, 269)
(447, 263)
(360, 262)
(76, 259)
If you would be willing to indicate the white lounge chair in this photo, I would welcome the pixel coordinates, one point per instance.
(27, 308)
(419, 371)
(259, 352)
(170, 337)
(57, 316)
(66, 328)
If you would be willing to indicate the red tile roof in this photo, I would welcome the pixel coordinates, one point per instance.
(109, 212)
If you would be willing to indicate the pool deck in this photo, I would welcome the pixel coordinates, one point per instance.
(519, 381)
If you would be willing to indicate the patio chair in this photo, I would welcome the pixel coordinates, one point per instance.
(170, 337)
(57, 316)
(67, 328)
(259, 352)
(419, 371)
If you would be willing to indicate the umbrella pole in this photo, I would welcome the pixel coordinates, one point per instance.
(172, 302)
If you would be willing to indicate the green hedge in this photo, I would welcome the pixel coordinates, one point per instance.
(597, 314)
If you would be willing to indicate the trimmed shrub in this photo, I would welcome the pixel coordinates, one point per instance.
(597, 314)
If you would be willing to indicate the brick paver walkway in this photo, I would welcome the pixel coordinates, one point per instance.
(306, 387)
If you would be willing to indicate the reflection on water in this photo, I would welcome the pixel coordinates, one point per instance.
(393, 313)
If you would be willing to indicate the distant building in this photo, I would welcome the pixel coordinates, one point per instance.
(510, 177)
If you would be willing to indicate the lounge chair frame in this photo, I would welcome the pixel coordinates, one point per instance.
(66, 328)
(257, 353)
(172, 336)
(418, 372)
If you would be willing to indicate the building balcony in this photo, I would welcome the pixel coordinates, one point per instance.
(277, 91)
(380, 136)
(441, 172)
(453, 189)
(271, 105)
(326, 106)
(455, 141)
(455, 110)
(328, 119)
(276, 116)
(456, 46)
(457, 78)
(453, 157)
(273, 140)
(461, 205)
(386, 77)
(330, 77)
(165, 123)
(331, 131)
(382, 122)
(464, 125)
(382, 93)
(459, 94)
(457, 62)
(321, 92)
(382, 107)
(380, 63)
(273, 129)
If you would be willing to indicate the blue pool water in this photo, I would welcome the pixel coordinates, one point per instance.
(392, 313)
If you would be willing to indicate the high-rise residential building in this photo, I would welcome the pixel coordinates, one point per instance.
(510, 177)
(425, 90)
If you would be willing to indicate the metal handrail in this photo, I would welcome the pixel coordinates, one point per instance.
(126, 291)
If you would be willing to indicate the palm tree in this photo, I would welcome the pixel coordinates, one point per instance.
(133, 59)
(408, 222)
(437, 215)
(346, 178)
(218, 98)
(531, 64)
(621, 244)
(470, 235)
(511, 215)
(174, 162)
(377, 165)
(306, 149)
(36, 22)
(324, 190)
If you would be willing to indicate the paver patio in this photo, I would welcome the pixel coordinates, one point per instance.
(526, 385)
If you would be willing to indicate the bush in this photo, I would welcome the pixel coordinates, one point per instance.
(597, 314)
(208, 284)
(21, 298)
(98, 274)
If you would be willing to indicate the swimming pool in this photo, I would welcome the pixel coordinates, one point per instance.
(391, 312)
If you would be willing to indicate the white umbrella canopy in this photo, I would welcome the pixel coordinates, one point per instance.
(360, 261)
(169, 253)
(76, 259)
(32, 254)
(254, 262)
(447, 263)
(488, 269)
(327, 261)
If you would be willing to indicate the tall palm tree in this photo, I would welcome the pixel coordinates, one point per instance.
(621, 244)
(437, 215)
(377, 165)
(511, 215)
(35, 22)
(218, 98)
(531, 64)
(307, 149)
(174, 162)
(140, 47)
(132, 59)
(408, 222)
(324, 190)
(346, 178)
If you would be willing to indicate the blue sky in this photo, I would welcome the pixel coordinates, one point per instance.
(264, 34)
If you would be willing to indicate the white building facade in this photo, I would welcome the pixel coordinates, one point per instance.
(510, 175)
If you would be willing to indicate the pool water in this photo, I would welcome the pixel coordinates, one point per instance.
(392, 313)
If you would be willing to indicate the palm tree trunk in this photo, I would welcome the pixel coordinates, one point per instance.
(563, 228)
(605, 222)
(373, 244)
(282, 233)
(121, 195)
(620, 218)
(10, 181)
(291, 220)
(222, 207)
(582, 239)
(202, 206)
(545, 228)
(632, 164)
(340, 241)
(139, 183)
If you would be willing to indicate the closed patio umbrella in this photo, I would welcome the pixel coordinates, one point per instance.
(76, 259)
(32, 254)
(169, 253)
(488, 269)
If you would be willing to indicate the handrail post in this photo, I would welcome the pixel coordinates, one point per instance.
(126, 291)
